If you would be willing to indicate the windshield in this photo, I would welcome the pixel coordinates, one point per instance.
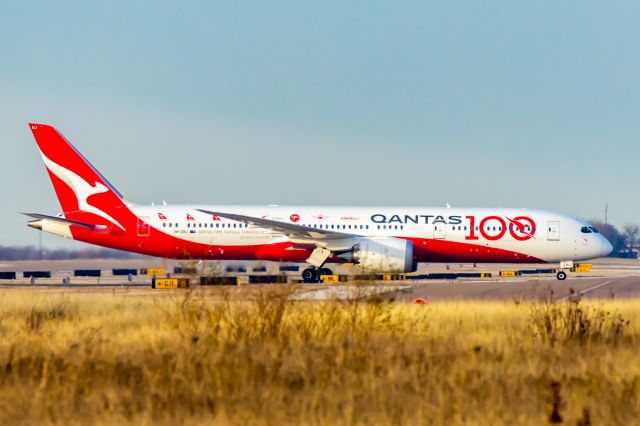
(589, 230)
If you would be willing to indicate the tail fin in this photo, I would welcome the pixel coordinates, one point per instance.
(82, 191)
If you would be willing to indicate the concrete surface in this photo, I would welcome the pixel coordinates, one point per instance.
(609, 278)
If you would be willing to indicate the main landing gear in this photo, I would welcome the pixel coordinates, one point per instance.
(312, 274)
(318, 257)
(561, 275)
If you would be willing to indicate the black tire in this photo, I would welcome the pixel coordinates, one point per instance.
(561, 275)
(310, 276)
(326, 271)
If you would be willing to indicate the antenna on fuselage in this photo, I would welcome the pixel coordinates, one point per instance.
(606, 209)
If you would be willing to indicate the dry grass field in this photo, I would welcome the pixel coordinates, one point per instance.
(193, 359)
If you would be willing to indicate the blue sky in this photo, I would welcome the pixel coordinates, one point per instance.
(487, 103)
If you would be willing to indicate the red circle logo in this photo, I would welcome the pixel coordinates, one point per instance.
(501, 228)
(521, 231)
(294, 217)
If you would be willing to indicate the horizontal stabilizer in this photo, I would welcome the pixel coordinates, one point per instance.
(67, 221)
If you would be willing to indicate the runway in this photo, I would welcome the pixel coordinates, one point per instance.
(528, 289)
(609, 279)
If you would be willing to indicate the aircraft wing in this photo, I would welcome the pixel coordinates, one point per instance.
(288, 229)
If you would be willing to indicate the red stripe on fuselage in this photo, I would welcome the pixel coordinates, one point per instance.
(430, 250)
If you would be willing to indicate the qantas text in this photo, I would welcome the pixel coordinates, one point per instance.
(417, 219)
(521, 228)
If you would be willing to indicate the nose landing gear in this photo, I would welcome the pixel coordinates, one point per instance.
(562, 275)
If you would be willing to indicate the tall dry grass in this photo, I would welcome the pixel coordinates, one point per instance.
(194, 359)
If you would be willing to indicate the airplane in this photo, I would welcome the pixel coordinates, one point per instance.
(374, 239)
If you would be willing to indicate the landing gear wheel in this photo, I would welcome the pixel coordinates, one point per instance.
(326, 271)
(561, 275)
(310, 276)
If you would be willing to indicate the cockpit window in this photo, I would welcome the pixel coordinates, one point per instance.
(594, 230)
(585, 230)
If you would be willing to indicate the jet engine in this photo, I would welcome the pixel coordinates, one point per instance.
(382, 254)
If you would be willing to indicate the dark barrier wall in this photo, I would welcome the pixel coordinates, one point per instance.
(118, 272)
(180, 270)
(36, 274)
(86, 273)
(289, 268)
(267, 279)
(218, 280)
(7, 275)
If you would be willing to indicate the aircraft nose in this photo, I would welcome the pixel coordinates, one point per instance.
(607, 248)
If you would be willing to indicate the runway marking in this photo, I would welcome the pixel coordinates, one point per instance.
(587, 290)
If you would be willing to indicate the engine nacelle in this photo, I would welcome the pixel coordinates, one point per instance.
(382, 254)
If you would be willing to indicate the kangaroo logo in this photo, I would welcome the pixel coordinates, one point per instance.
(81, 188)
